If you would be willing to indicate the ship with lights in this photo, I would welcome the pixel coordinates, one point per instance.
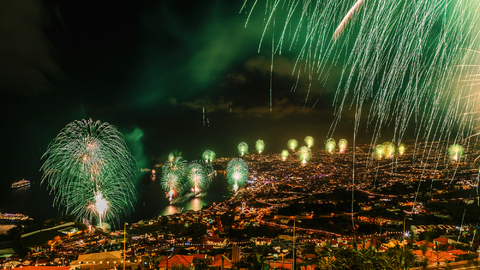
(7, 217)
(21, 183)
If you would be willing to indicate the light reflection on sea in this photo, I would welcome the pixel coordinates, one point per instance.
(36, 202)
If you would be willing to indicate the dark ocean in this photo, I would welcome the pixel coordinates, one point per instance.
(36, 202)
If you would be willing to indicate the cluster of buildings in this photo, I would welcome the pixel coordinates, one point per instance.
(305, 208)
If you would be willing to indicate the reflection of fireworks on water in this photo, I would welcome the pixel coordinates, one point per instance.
(284, 154)
(90, 170)
(260, 145)
(292, 144)
(342, 146)
(304, 154)
(242, 148)
(237, 172)
(330, 145)
(309, 141)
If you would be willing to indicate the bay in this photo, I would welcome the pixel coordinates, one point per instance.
(37, 202)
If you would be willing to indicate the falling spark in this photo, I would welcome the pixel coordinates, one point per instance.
(346, 19)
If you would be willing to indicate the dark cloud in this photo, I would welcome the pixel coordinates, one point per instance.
(280, 108)
(149, 66)
(237, 78)
(282, 66)
(190, 52)
(209, 105)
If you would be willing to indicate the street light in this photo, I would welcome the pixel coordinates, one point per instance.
(124, 243)
(294, 253)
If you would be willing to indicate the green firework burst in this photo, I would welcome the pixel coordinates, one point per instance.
(90, 171)
(237, 172)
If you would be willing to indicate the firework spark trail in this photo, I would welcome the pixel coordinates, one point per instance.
(91, 171)
(347, 18)
(478, 195)
(400, 60)
(402, 57)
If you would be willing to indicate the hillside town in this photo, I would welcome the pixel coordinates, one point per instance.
(289, 216)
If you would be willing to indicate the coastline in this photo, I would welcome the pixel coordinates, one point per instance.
(5, 227)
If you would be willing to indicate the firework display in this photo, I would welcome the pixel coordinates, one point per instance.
(389, 149)
(197, 176)
(174, 172)
(304, 154)
(242, 148)
(330, 145)
(209, 170)
(209, 156)
(379, 152)
(237, 173)
(260, 146)
(90, 171)
(455, 151)
(292, 144)
(171, 157)
(309, 141)
(284, 154)
(401, 149)
(342, 146)
(415, 49)
(177, 165)
(172, 184)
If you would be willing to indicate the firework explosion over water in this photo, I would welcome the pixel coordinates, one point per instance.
(237, 173)
(90, 171)
(186, 78)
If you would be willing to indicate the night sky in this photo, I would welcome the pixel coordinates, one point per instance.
(149, 67)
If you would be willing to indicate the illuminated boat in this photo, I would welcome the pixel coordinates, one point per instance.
(21, 183)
